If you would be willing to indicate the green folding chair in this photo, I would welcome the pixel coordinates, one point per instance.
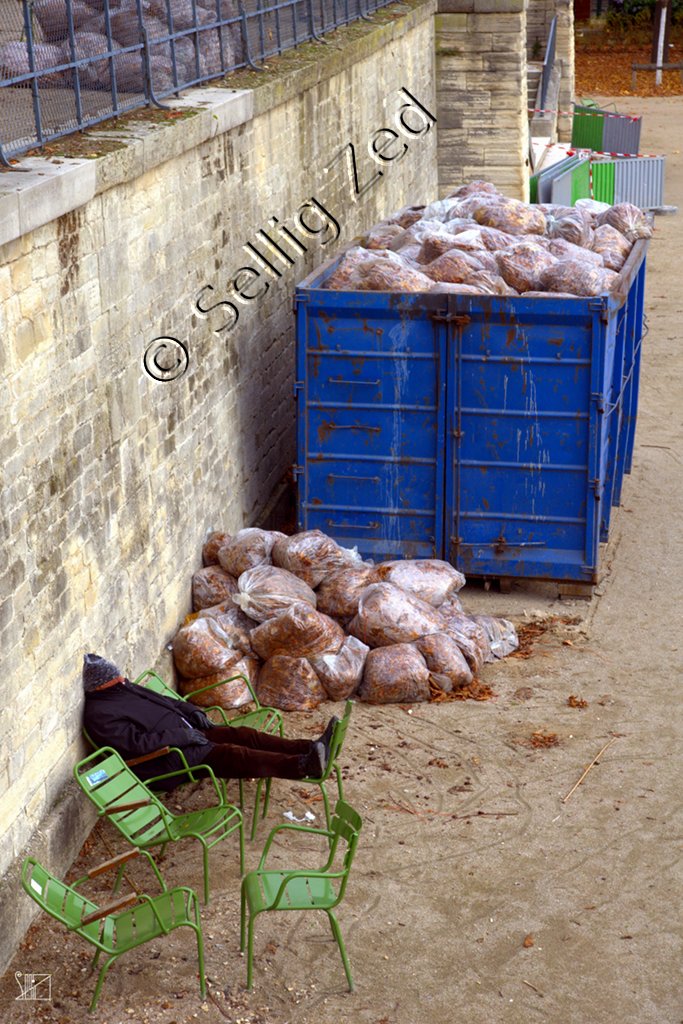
(265, 889)
(263, 718)
(117, 927)
(336, 744)
(141, 817)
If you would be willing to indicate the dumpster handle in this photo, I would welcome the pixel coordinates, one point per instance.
(354, 426)
(340, 476)
(355, 526)
(340, 380)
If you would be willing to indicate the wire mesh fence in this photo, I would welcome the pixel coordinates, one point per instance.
(69, 64)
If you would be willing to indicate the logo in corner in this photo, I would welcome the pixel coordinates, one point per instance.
(34, 986)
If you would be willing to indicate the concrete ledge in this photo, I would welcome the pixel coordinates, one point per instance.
(44, 188)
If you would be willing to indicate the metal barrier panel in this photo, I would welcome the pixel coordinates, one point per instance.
(70, 64)
(639, 180)
(587, 128)
(603, 181)
(621, 135)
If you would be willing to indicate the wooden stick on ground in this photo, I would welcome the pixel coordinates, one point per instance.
(593, 762)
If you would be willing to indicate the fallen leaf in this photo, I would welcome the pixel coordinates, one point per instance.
(528, 941)
(576, 702)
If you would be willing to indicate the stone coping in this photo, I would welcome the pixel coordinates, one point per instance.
(42, 189)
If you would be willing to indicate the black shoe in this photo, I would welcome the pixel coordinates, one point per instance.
(314, 763)
(326, 737)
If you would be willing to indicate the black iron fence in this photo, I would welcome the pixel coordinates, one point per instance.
(70, 64)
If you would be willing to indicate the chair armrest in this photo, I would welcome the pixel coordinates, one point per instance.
(134, 805)
(291, 875)
(290, 828)
(113, 862)
(147, 757)
(110, 908)
(189, 771)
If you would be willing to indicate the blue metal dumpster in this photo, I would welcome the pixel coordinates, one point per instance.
(492, 432)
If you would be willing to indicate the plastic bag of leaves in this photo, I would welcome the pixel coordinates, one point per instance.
(509, 215)
(213, 543)
(289, 684)
(339, 594)
(469, 636)
(228, 612)
(232, 691)
(210, 586)
(266, 591)
(382, 236)
(430, 579)
(564, 250)
(312, 556)
(299, 631)
(396, 674)
(577, 277)
(501, 633)
(203, 648)
(612, 247)
(574, 225)
(342, 672)
(407, 216)
(387, 614)
(247, 549)
(445, 661)
(380, 274)
(628, 219)
(522, 266)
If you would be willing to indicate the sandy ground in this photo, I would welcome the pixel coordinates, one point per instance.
(477, 893)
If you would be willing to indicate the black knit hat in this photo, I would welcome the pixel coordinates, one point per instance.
(97, 670)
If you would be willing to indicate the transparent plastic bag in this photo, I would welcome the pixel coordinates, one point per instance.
(228, 612)
(522, 266)
(430, 579)
(612, 247)
(214, 542)
(509, 215)
(455, 266)
(247, 549)
(203, 647)
(407, 216)
(232, 694)
(210, 586)
(312, 556)
(299, 631)
(396, 674)
(577, 277)
(342, 672)
(445, 660)
(289, 684)
(381, 236)
(476, 187)
(469, 636)
(339, 594)
(266, 591)
(501, 633)
(628, 219)
(387, 614)
(561, 249)
(574, 226)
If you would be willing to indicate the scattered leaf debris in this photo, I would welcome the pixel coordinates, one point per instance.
(530, 633)
(438, 762)
(528, 941)
(576, 702)
(473, 691)
(540, 739)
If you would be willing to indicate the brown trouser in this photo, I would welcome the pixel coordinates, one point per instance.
(242, 753)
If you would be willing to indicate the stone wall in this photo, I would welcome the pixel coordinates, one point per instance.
(111, 479)
(481, 94)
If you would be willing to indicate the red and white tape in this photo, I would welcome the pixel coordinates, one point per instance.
(601, 152)
(585, 113)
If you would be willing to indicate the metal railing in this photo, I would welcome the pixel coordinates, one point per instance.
(66, 65)
(548, 63)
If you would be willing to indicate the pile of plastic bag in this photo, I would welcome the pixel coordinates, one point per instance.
(306, 620)
(478, 241)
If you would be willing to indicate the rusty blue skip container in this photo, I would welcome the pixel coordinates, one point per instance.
(490, 431)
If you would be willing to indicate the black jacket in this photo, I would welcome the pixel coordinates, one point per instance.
(136, 721)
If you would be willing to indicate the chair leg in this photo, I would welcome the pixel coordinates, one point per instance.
(257, 804)
(336, 931)
(250, 952)
(200, 960)
(241, 831)
(100, 981)
(326, 801)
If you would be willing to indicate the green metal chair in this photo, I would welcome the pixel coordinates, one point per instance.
(336, 744)
(263, 718)
(144, 821)
(306, 889)
(117, 927)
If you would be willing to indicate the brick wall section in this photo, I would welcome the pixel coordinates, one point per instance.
(110, 479)
(481, 94)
